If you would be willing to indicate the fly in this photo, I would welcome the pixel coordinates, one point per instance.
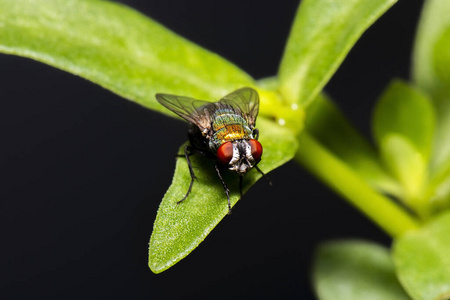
(224, 131)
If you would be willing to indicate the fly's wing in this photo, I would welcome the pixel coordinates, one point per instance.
(244, 101)
(190, 109)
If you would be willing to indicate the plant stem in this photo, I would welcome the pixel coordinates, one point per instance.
(336, 174)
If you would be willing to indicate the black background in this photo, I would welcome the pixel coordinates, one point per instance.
(83, 171)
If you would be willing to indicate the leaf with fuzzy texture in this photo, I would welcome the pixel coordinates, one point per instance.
(179, 229)
(354, 270)
(322, 34)
(116, 47)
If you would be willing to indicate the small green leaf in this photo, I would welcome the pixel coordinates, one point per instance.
(431, 70)
(405, 111)
(355, 270)
(322, 34)
(179, 229)
(422, 260)
(408, 166)
(330, 127)
(115, 47)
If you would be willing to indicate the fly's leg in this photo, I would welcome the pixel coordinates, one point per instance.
(264, 175)
(225, 187)
(187, 152)
(255, 133)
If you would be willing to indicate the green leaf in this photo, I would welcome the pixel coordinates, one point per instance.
(403, 110)
(322, 34)
(330, 127)
(179, 229)
(115, 47)
(431, 69)
(356, 270)
(422, 260)
(409, 167)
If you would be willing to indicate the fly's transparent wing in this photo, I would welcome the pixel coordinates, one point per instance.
(190, 109)
(244, 101)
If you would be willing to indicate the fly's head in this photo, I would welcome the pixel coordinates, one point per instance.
(240, 155)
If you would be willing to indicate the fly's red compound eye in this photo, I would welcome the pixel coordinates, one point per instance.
(257, 149)
(225, 153)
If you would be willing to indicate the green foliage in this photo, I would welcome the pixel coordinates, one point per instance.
(407, 165)
(431, 70)
(322, 34)
(405, 111)
(115, 47)
(431, 73)
(136, 57)
(346, 182)
(403, 126)
(422, 260)
(355, 270)
(347, 144)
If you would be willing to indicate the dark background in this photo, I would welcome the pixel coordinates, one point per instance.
(83, 171)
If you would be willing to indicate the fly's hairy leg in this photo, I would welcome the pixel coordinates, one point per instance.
(264, 175)
(225, 187)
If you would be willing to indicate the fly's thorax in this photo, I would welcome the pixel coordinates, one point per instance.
(228, 126)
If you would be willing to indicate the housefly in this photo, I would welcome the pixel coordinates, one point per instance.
(224, 131)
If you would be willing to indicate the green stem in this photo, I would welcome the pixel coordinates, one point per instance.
(389, 216)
